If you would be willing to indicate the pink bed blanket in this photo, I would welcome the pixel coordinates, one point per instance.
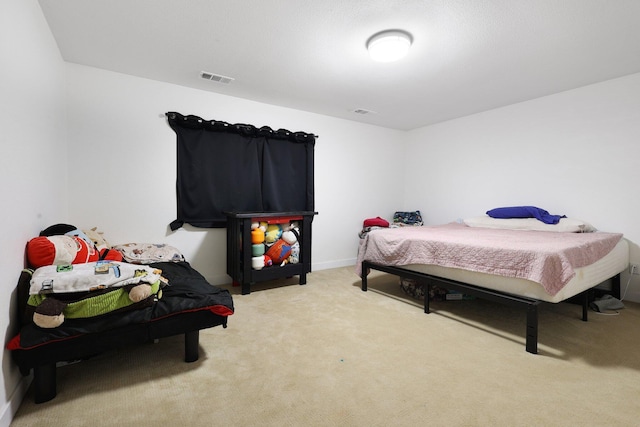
(548, 258)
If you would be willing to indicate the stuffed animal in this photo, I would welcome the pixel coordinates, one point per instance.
(257, 236)
(274, 231)
(279, 251)
(65, 249)
(258, 262)
(97, 237)
(61, 244)
(59, 250)
(294, 257)
(290, 236)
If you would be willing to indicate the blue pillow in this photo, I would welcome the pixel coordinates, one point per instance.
(525, 212)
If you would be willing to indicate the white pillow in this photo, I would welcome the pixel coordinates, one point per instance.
(566, 225)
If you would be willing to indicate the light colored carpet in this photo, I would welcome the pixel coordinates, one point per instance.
(328, 354)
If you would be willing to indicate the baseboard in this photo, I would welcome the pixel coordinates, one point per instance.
(11, 407)
(333, 264)
(632, 295)
(219, 280)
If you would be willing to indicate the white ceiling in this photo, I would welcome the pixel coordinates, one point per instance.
(467, 56)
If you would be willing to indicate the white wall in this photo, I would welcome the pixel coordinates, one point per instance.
(33, 164)
(92, 148)
(122, 166)
(574, 153)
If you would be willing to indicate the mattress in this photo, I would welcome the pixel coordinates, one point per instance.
(585, 278)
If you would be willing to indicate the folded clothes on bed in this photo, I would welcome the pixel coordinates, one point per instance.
(375, 222)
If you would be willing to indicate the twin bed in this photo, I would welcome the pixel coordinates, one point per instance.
(517, 262)
(97, 320)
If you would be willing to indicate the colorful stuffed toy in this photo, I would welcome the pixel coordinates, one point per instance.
(278, 252)
(62, 250)
(59, 250)
(273, 233)
(62, 244)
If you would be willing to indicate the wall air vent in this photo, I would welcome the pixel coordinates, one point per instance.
(363, 111)
(216, 77)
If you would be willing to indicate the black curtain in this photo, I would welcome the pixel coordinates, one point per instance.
(239, 168)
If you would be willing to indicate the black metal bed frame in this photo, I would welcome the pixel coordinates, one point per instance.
(530, 304)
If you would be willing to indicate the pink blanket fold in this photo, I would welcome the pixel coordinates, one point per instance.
(548, 258)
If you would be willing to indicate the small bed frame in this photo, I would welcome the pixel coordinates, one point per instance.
(44, 358)
(529, 304)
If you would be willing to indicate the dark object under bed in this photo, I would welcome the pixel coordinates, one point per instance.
(188, 304)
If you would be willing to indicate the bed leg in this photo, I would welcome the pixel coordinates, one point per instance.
(585, 306)
(615, 286)
(427, 298)
(246, 288)
(44, 383)
(191, 343)
(364, 276)
(532, 328)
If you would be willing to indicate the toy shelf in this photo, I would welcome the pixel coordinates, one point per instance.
(239, 247)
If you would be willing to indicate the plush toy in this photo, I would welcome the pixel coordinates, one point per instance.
(258, 262)
(279, 251)
(268, 262)
(274, 231)
(59, 250)
(257, 236)
(61, 244)
(290, 236)
(294, 257)
(65, 249)
(97, 237)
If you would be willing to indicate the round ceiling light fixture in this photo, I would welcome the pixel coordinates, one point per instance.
(389, 46)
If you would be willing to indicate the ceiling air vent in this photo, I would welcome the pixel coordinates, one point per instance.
(216, 77)
(363, 111)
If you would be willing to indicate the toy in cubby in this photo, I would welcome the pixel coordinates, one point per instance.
(273, 233)
(274, 244)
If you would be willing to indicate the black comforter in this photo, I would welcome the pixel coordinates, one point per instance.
(188, 292)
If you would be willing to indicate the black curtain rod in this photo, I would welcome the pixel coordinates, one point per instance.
(199, 122)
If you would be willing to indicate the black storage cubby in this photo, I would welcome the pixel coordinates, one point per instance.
(239, 247)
